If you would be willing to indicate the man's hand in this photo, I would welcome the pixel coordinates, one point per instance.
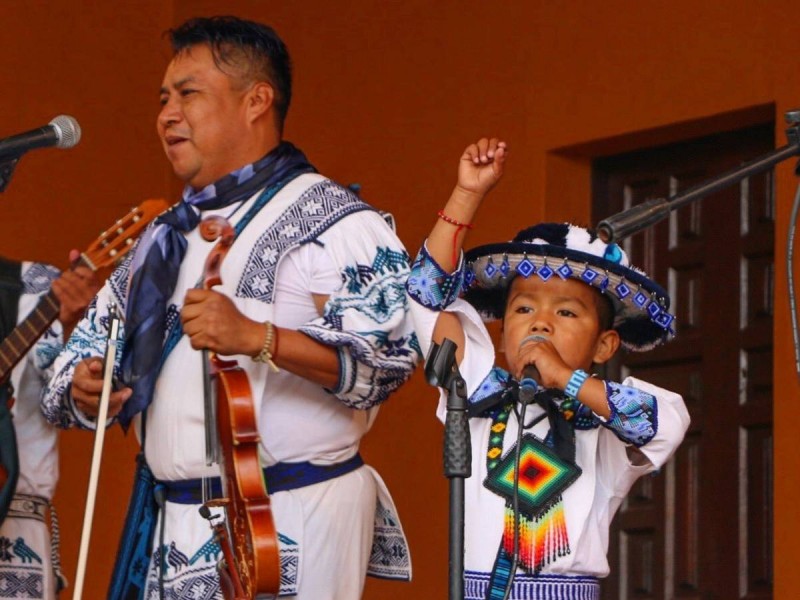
(74, 290)
(87, 385)
(213, 323)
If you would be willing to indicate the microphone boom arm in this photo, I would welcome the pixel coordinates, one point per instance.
(641, 216)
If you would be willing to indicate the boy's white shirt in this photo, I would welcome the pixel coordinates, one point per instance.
(591, 501)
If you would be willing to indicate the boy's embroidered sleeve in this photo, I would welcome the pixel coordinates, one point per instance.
(367, 318)
(430, 285)
(88, 339)
(634, 414)
(651, 418)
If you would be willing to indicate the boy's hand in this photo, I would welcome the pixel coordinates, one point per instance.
(553, 371)
(481, 166)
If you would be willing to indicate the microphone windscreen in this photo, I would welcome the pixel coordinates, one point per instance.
(67, 130)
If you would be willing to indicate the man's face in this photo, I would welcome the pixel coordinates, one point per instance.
(203, 122)
(564, 311)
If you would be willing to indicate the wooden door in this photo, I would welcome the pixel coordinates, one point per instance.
(702, 527)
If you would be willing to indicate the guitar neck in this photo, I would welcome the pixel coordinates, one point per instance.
(16, 345)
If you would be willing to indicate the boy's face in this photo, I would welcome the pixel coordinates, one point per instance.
(564, 311)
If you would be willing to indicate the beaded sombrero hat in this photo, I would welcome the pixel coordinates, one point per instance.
(547, 250)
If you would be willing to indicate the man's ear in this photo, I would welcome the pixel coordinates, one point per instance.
(606, 347)
(260, 100)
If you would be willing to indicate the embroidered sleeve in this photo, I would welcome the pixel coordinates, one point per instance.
(489, 393)
(429, 285)
(366, 319)
(634, 414)
(89, 339)
(37, 279)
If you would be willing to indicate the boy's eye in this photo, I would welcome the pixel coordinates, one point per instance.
(566, 313)
(523, 310)
(186, 92)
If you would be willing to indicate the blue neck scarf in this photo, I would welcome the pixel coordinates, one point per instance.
(155, 268)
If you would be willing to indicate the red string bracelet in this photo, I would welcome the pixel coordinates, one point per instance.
(459, 226)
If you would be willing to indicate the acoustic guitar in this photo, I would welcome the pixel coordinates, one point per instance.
(106, 250)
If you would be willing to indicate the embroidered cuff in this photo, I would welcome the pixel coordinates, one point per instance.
(634, 414)
(429, 285)
(367, 376)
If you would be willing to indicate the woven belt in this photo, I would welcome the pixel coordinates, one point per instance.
(279, 477)
(25, 506)
(563, 587)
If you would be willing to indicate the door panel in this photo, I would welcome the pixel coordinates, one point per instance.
(702, 527)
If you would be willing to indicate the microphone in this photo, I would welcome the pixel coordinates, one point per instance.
(530, 374)
(634, 219)
(61, 132)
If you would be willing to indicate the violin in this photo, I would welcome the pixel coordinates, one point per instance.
(250, 562)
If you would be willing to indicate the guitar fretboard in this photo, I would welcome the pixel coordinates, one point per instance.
(14, 347)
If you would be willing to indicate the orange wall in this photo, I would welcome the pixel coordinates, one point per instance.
(388, 94)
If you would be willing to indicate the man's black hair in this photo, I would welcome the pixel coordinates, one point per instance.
(232, 39)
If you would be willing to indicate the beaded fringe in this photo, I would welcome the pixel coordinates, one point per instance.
(542, 540)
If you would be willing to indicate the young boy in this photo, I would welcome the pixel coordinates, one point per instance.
(541, 498)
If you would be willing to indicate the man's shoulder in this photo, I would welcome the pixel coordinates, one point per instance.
(314, 186)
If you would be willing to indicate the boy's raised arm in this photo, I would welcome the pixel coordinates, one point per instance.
(480, 168)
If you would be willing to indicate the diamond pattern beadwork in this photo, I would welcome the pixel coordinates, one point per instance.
(545, 272)
(653, 310)
(564, 271)
(589, 275)
(664, 319)
(623, 291)
(489, 270)
(640, 299)
(505, 267)
(526, 268)
(469, 277)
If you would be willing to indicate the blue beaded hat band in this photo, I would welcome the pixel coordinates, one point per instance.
(548, 250)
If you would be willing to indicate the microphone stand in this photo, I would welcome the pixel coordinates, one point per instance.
(641, 216)
(441, 370)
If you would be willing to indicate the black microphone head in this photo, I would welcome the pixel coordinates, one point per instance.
(530, 374)
(67, 130)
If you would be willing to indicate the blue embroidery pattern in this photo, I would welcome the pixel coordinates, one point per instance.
(373, 295)
(389, 558)
(495, 382)
(634, 414)
(289, 551)
(319, 207)
(118, 281)
(208, 552)
(21, 573)
(88, 339)
(196, 577)
(38, 277)
(429, 285)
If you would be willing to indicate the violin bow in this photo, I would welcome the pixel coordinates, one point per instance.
(97, 452)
